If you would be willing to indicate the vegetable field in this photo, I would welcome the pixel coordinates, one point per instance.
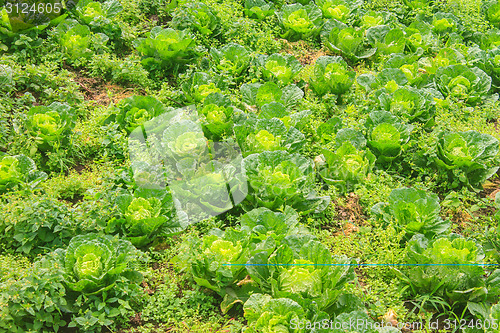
(262, 166)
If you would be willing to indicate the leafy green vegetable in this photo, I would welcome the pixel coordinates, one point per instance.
(414, 211)
(347, 41)
(99, 16)
(289, 118)
(278, 67)
(92, 263)
(457, 279)
(264, 223)
(166, 48)
(265, 314)
(18, 171)
(134, 111)
(413, 105)
(146, 216)
(346, 167)
(51, 125)
(75, 40)
(463, 83)
(199, 85)
(258, 9)
(331, 75)
(258, 94)
(196, 16)
(216, 116)
(300, 22)
(184, 140)
(259, 135)
(216, 261)
(373, 18)
(278, 178)
(386, 40)
(339, 10)
(493, 13)
(231, 58)
(444, 23)
(470, 152)
(386, 135)
(389, 78)
(304, 271)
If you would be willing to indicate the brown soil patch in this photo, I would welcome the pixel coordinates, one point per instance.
(97, 90)
(135, 320)
(460, 218)
(348, 229)
(490, 189)
(351, 210)
(300, 51)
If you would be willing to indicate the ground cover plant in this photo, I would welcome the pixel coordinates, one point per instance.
(250, 166)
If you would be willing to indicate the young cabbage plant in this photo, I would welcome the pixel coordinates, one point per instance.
(339, 10)
(289, 118)
(199, 85)
(347, 41)
(264, 223)
(134, 111)
(419, 36)
(386, 40)
(388, 80)
(493, 66)
(182, 140)
(232, 59)
(331, 75)
(300, 21)
(217, 260)
(463, 83)
(258, 9)
(303, 270)
(327, 131)
(51, 125)
(166, 48)
(493, 13)
(267, 314)
(374, 18)
(444, 23)
(445, 57)
(99, 16)
(467, 157)
(145, 216)
(259, 94)
(408, 64)
(459, 277)
(17, 172)
(259, 135)
(347, 166)
(488, 61)
(414, 211)
(410, 104)
(386, 135)
(217, 116)
(278, 67)
(93, 263)
(75, 41)
(278, 178)
(417, 4)
(197, 17)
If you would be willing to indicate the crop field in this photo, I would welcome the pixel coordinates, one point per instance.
(257, 166)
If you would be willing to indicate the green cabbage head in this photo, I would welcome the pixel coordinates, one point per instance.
(92, 263)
